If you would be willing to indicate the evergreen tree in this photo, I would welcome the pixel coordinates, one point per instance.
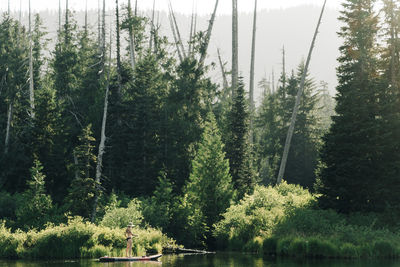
(209, 188)
(81, 191)
(158, 210)
(303, 154)
(238, 147)
(137, 148)
(15, 159)
(273, 121)
(35, 207)
(39, 45)
(351, 155)
(66, 75)
(389, 104)
(190, 96)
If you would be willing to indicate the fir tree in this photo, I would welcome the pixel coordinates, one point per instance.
(351, 154)
(389, 104)
(188, 101)
(81, 191)
(15, 158)
(34, 210)
(209, 187)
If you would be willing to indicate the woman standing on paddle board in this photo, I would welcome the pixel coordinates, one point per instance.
(129, 235)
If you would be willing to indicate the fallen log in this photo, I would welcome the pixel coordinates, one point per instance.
(176, 250)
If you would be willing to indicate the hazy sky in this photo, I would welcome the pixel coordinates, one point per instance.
(183, 6)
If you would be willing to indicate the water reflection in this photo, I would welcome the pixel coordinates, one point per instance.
(212, 260)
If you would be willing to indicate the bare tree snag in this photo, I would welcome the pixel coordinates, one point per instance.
(253, 53)
(297, 103)
(235, 48)
(208, 36)
(31, 85)
(102, 139)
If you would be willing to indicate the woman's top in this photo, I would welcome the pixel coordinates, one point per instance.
(128, 234)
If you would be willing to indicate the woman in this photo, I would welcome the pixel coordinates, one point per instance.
(129, 235)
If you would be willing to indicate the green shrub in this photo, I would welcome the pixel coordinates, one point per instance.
(96, 252)
(283, 246)
(309, 222)
(260, 213)
(288, 220)
(78, 239)
(109, 237)
(255, 245)
(319, 248)
(270, 245)
(121, 217)
(298, 248)
(348, 250)
(366, 250)
(385, 249)
(9, 242)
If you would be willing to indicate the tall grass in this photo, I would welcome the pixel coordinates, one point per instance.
(77, 239)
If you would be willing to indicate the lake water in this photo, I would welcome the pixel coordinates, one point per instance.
(210, 260)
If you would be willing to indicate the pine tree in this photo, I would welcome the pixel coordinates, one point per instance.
(238, 146)
(351, 153)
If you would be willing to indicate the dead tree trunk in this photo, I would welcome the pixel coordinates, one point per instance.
(118, 46)
(221, 64)
(283, 69)
(31, 85)
(102, 139)
(178, 35)
(195, 25)
(208, 36)
(235, 48)
(103, 34)
(59, 15)
(98, 23)
(20, 11)
(253, 53)
(8, 129)
(297, 103)
(86, 18)
(131, 38)
(66, 13)
(273, 80)
(152, 27)
(191, 36)
(178, 49)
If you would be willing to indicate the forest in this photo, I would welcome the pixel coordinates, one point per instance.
(119, 124)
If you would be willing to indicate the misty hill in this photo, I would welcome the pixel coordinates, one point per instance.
(292, 28)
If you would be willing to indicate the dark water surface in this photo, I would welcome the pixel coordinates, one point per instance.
(211, 260)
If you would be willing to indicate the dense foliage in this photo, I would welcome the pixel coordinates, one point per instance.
(77, 239)
(284, 220)
(359, 168)
(150, 138)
